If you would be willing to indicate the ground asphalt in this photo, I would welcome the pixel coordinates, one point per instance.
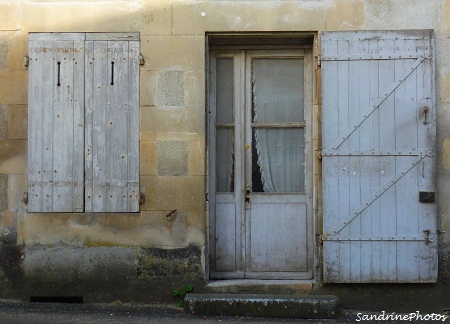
(55, 313)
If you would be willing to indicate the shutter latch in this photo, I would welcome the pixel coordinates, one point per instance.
(427, 238)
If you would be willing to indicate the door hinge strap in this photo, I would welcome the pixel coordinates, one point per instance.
(358, 57)
(396, 237)
(376, 104)
(401, 152)
(376, 195)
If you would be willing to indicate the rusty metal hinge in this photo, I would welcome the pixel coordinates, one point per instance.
(317, 50)
(25, 197)
(141, 198)
(319, 239)
(427, 238)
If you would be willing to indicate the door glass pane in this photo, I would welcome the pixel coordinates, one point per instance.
(225, 159)
(224, 90)
(278, 160)
(278, 90)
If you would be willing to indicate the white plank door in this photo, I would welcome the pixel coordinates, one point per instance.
(56, 122)
(378, 144)
(112, 124)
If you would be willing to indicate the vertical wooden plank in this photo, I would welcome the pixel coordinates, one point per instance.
(133, 127)
(40, 97)
(99, 120)
(78, 126)
(388, 211)
(358, 103)
(48, 148)
(330, 164)
(344, 161)
(90, 92)
(406, 187)
(62, 129)
(373, 226)
(117, 128)
(426, 170)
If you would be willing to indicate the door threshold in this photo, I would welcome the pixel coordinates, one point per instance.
(260, 286)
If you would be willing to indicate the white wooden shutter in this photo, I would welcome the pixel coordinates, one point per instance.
(378, 128)
(112, 123)
(83, 149)
(56, 122)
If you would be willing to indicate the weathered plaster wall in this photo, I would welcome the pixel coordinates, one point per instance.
(172, 130)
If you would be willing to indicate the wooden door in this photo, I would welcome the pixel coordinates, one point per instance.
(378, 128)
(260, 187)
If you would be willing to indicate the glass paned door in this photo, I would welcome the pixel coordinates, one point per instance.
(260, 111)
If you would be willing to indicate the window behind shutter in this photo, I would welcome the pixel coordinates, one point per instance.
(56, 122)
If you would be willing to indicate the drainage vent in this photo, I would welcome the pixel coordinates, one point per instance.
(57, 299)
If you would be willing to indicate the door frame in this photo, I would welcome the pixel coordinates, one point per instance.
(295, 41)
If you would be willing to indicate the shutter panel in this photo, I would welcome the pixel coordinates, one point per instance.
(378, 131)
(56, 118)
(112, 123)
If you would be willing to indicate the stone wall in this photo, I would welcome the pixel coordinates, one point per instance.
(52, 251)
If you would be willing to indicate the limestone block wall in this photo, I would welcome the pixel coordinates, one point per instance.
(172, 133)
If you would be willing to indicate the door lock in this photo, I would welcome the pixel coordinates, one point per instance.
(247, 194)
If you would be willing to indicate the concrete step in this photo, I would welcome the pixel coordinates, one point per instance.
(263, 305)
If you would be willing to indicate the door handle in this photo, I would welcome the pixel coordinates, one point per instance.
(425, 112)
(248, 194)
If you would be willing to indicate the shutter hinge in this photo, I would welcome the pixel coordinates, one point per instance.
(427, 238)
(319, 239)
(26, 60)
(25, 197)
(317, 50)
(141, 198)
(206, 196)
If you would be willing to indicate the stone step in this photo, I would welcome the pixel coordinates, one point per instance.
(263, 305)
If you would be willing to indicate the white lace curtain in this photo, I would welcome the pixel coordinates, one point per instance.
(278, 99)
(277, 85)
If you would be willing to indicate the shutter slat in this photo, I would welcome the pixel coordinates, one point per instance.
(90, 92)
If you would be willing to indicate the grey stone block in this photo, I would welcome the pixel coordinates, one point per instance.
(172, 158)
(273, 306)
(170, 91)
